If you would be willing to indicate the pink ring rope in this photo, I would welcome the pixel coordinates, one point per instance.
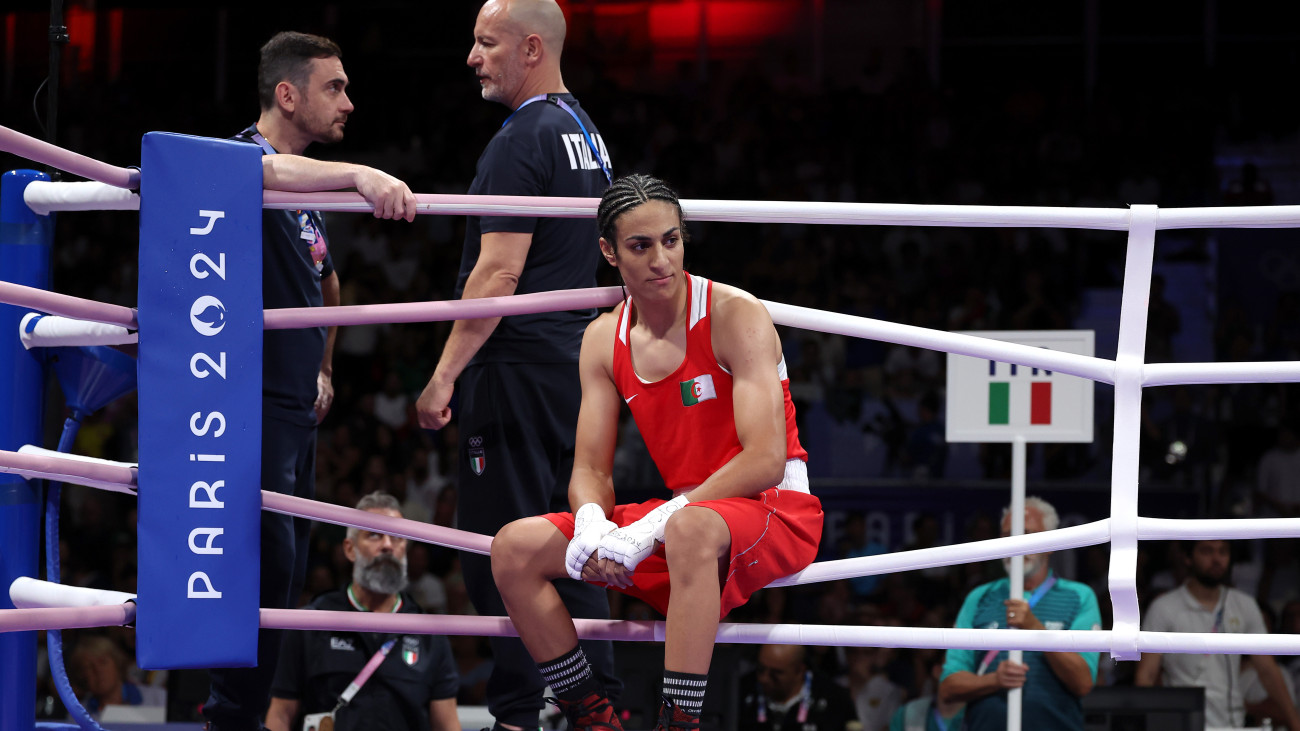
(67, 160)
(67, 305)
(443, 204)
(122, 477)
(55, 468)
(29, 620)
(520, 304)
(406, 528)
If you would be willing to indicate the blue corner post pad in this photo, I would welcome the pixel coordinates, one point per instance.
(200, 392)
(25, 240)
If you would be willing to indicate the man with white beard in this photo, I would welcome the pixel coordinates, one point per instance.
(1053, 682)
(413, 689)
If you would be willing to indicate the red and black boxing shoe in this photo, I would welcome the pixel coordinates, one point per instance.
(672, 718)
(592, 713)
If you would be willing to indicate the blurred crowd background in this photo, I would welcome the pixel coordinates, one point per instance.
(1076, 103)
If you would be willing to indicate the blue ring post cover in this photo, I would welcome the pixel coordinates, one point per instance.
(200, 383)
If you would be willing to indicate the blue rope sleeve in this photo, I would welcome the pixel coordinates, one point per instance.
(54, 637)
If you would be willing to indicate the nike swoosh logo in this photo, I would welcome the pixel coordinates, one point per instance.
(629, 398)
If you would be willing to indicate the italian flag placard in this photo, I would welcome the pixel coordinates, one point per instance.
(1040, 402)
(699, 388)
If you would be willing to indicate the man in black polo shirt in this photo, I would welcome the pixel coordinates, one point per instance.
(303, 94)
(414, 687)
(519, 388)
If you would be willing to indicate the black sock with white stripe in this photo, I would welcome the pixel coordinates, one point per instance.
(685, 690)
(570, 676)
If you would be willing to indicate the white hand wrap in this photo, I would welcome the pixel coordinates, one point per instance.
(589, 526)
(631, 544)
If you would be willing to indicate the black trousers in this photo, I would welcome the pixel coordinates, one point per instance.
(517, 424)
(239, 696)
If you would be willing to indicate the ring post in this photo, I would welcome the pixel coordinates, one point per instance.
(200, 384)
(1015, 696)
(25, 240)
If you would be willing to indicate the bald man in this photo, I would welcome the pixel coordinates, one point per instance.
(518, 376)
(784, 693)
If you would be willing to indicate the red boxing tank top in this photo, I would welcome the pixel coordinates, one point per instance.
(687, 418)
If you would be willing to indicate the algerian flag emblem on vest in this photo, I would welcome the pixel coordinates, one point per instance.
(699, 388)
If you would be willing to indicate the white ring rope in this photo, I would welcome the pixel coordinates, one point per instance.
(800, 634)
(1061, 539)
(48, 197)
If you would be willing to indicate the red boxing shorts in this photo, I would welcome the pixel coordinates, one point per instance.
(773, 534)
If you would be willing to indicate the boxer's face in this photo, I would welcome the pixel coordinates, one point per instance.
(648, 249)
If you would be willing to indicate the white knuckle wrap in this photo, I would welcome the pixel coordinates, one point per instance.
(589, 526)
(631, 544)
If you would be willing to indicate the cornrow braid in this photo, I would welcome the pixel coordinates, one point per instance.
(627, 193)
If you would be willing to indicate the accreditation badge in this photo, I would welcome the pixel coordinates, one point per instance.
(318, 722)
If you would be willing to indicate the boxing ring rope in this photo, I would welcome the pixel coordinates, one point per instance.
(46, 197)
(30, 461)
(1128, 373)
(48, 618)
(32, 593)
(67, 160)
(66, 332)
(66, 305)
(120, 477)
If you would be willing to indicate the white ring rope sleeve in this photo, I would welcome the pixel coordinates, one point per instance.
(29, 593)
(52, 331)
(45, 197)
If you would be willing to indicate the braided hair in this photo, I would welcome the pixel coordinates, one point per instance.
(627, 193)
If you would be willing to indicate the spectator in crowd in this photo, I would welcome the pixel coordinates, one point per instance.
(1249, 188)
(1259, 705)
(1163, 323)
(856, 544)
(99, 668)
(427, 588)
(875, 696)
(1290, 624)
(785, 693)
(1205, 603)
(1278, 490)
(929, 712)
(416, 683)
(391, 403)
(1053, 682)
